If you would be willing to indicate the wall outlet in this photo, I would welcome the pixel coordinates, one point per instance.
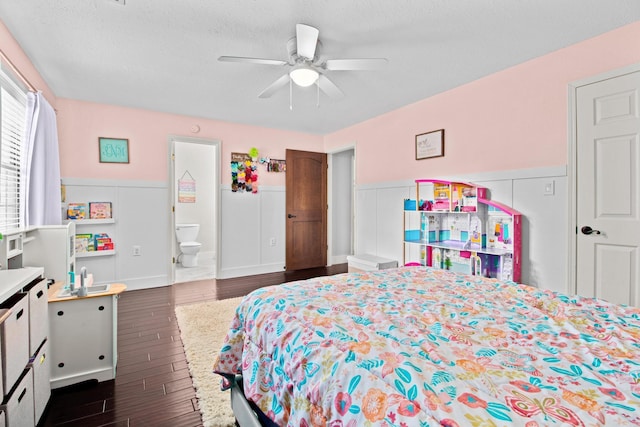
(272, 241)
(137, 251)
(549, 188)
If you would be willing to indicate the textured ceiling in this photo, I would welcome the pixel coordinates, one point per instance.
(162, 55)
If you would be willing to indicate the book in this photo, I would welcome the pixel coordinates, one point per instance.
(99, 210)
(102, 242)
(84, 243)
(76, 211)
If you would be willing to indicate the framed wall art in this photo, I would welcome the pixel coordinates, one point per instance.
(113, 150)
(430, 144)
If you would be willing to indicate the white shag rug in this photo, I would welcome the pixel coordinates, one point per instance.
(203, 327)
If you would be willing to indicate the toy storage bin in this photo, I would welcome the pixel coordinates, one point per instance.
(19, 403)
(15, 346)
(409, 205)
(366, 262)
(41, 367)
(38, 314)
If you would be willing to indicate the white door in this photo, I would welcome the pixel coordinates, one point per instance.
(608, 190)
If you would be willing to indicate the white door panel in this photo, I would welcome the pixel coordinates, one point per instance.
(617, 262)
(614, 169)
(608, 129)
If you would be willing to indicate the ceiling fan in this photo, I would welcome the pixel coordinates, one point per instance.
(305, 65)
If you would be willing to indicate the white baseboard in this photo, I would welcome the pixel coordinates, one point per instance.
(146, 282)
(230, 273)
(338, 259)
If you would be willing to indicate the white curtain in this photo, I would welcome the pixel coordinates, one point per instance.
(41, 165)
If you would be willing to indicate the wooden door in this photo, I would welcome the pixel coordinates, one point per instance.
(306, 199)
(608, 190)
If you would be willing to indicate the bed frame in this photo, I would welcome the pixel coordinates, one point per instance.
(247, 414)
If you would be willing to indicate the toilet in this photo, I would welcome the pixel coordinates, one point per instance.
(189, 248)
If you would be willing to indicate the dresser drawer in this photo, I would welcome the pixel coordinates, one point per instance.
(15, 348)
(38, 314)
(19, 403)
(41, 366)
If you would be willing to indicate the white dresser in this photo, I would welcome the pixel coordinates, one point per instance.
(24, 329)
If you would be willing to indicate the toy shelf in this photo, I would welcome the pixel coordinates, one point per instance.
(453, 225)
(94, 225)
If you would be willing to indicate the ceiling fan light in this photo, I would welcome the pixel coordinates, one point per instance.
(304, 76)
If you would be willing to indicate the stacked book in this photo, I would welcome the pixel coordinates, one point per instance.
(93, 242)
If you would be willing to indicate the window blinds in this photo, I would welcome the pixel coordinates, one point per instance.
(12, 128)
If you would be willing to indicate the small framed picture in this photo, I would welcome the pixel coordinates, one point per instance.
(430, 144)
(113, 150)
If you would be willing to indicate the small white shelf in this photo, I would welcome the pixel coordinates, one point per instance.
(92, 221)
(95, 254)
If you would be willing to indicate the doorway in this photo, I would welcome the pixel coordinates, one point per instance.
(337, 207)
(604, 159)
(341, 188)
(195, 201)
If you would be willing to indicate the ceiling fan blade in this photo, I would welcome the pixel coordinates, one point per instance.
(252, 60)
(355, 64)
(273, 88)
(307, 39)
(328, 87)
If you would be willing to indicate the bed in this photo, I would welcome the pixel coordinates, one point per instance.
(416, 346)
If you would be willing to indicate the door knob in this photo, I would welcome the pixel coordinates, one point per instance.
(291, 216)
(588, 230)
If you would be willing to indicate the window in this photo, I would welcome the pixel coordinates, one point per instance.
(13, 102)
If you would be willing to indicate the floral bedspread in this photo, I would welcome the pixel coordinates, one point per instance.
(421, 347)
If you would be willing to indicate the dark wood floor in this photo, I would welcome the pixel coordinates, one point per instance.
(152, 385)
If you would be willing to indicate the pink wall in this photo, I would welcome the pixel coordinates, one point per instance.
(514, 119)
(81, 123)
(16, 55)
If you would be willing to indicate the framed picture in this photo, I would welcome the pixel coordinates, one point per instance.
(113, 150)
(430, 144)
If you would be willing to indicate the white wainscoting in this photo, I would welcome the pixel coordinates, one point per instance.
(379, 228)
(250, 221)
(141, 213)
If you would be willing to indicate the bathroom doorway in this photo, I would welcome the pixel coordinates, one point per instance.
(195, 204)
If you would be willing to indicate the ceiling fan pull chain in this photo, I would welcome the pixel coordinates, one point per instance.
(317, 95)
(290, 96)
